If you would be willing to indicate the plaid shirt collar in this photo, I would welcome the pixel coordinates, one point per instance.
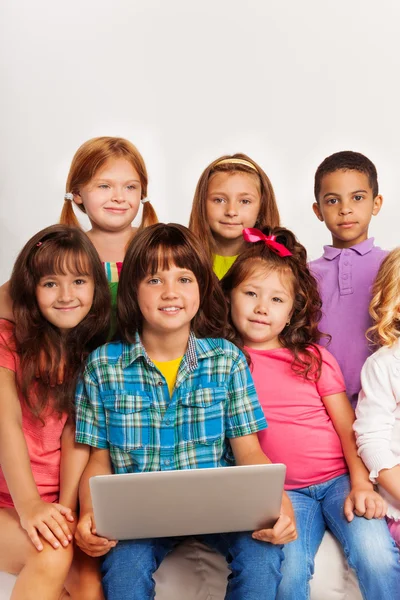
(196, 349)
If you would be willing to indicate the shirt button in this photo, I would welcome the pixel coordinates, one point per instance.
(167, 461)
(159, 382)
(344, 276)
(168, 422)
(346, 262)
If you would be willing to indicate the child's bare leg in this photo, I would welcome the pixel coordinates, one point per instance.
(84, 578)
(40, 574)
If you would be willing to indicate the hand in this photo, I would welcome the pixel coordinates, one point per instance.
(48, 519)
(363, 501)
(88, 540)
(284, 530)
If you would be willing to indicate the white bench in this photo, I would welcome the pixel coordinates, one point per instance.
(194, 572)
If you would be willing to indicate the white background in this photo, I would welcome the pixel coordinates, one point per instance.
(287, 82)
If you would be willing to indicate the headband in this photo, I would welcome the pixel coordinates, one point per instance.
(250, 234)
(236, 161)
(68, 196)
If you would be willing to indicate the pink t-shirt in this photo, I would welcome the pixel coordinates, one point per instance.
(43, 441)
(300, 432)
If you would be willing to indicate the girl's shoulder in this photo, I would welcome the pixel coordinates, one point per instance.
(7, 330)
(385, 356)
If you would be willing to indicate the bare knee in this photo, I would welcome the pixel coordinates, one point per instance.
(84, 578)
(52, 563)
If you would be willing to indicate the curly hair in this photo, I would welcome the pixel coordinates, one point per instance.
(301, 335)
(346, 161)
(385, 303)
(157, 247)
(268, 215)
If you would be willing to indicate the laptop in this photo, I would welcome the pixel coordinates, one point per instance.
(187, 502)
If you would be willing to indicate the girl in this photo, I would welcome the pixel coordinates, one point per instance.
(275, 309)
(107, 181)
(170, 397)
(61, 306)
(377, 425)
(232, 193)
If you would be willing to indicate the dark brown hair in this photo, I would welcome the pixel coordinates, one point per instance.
(89, 158)
(267, 216)
(157, 247)
(40, 345)
(346, 161)
(302, 335)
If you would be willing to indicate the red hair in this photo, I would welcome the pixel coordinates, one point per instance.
(89, 158)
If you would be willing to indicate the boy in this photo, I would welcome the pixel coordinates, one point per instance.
(347, 195)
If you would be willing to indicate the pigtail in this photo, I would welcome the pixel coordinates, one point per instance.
(68, 216)
(149, 216)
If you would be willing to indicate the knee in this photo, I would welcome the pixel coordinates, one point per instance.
(375, 552)
(53, 563)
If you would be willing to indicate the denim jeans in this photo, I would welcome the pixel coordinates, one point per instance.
(367, 544)
(128, 568)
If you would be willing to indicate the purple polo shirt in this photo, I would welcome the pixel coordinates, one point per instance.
(345, 279)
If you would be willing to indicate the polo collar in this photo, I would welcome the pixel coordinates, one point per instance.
(330, 253)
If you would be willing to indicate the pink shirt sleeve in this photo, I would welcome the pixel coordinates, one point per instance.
(331, 380)
(8, 358)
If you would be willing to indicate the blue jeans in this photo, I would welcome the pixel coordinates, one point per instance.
(367, 544)
(128, 568)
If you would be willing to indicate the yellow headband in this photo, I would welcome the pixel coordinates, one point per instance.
(236, 161)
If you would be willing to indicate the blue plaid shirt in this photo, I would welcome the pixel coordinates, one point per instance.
(123, 404)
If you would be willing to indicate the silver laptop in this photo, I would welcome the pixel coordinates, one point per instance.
(187, 502)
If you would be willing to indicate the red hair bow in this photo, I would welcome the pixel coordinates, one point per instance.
(251, 234)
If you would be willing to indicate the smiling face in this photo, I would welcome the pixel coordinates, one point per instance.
(233, 203)
(346, 205)
(65, 300)
(261, 307)
(112, 197)
(168, 300)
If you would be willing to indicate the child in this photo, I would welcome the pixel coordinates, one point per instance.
(275, 308)
(61, 306)
(347, 196)
(107, 181)
(168, 397)
(232, 193)
(377, 425)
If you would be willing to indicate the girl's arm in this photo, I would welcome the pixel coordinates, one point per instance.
(74, 458)
(86, 537)
(247, 451)
(374, 426)
(362, 500)
(36, 516)
(6, 307)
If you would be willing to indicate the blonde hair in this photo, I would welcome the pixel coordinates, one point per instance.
(89, 158)
(268, 215)
(385, 304)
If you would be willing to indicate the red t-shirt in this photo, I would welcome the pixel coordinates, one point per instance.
(43, 441)
(300, 432)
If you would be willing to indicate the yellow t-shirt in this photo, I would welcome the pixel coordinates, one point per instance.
(169, 369)
(222, 264)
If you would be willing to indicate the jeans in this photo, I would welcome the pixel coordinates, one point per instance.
(128, 568)
(367, 544)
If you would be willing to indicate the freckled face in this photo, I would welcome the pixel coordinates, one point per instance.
(112, 197)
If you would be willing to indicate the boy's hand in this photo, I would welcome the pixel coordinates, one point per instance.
(48, 519)
(88, 540)
(284, 530)
(363, 501)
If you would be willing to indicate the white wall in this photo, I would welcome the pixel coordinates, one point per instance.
(287, 82)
